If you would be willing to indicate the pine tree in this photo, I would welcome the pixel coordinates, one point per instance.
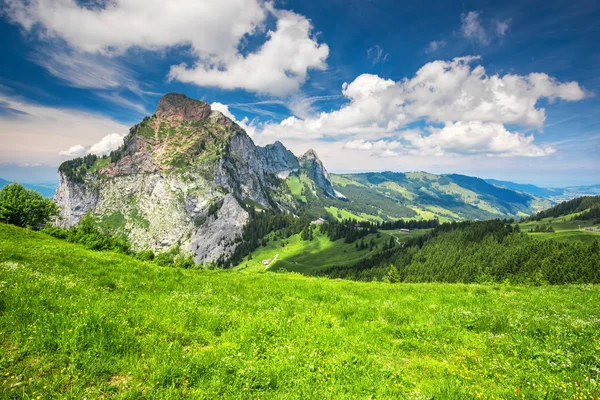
(393, 275)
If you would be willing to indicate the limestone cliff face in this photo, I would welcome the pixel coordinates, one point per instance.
(314, 168)
(174, 169)
(279, 160)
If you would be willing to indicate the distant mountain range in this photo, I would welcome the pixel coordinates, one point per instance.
(45, 189)
(553, 194)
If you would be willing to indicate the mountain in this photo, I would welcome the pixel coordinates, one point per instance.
(389, 195)
(45, 189)
(190, 178)
(186, 177)
(527, 188)
(553, 194)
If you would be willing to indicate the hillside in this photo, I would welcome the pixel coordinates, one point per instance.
(77, 323)
(389, 195)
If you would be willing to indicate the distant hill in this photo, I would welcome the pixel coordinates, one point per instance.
(389, 195)
(553, 194)
(586, 207)
(527, 188)
(45, 189)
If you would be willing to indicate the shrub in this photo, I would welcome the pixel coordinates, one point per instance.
(145, 255)
(24, 207)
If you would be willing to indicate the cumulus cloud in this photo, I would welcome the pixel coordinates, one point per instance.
(73, 151)
(472, 28)
(435, 45)
(34, 133)
(108, 143)
(455, 138)
(475, 137)
(104, 146)
(215, 31)
(457, 94)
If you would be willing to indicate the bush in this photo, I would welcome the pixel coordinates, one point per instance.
(145, 255)
(24, 207)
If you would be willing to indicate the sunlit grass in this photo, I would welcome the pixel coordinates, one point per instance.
(81, 324)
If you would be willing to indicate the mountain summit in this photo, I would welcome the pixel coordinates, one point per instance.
(187, 176)
(179, 107)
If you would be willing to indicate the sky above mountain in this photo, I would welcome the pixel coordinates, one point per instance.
(505, 90)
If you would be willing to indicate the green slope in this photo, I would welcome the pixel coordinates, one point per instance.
(294, 254)
(81, 324)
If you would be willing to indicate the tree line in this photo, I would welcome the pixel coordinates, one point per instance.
(482, 251)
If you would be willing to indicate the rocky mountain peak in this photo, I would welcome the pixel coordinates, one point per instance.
(310, 155)
(177, 106)
(313, 166)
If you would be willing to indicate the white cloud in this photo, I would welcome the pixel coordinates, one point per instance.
(84, 70)
(435, 45)
(502, 27)
(440, 91)
(279, 67)
(73, 151)
(472, 106)
(36, 133)
(104, 146)
(471, 28)
(108, 143)
(475, 137)
(216, 32)
(455, 138)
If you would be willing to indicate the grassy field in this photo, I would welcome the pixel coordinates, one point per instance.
(80, 324)
(294, 254)
(565, 229)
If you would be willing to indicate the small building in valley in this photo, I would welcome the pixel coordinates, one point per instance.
(319, 221)
(266, 262)
(404, 230)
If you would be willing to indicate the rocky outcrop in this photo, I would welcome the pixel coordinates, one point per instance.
(220, 234)
(74, 200)
(314, 168)
(178, 107)
(278, 159)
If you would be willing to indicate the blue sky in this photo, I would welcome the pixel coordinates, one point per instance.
(505, 90)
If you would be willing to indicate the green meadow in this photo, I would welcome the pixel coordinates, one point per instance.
(297, 255)
(76, 324)
(565, 229)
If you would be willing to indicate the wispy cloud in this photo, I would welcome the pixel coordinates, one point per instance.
(377, 55)
(435, 45)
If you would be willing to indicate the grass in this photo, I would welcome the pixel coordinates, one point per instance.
(565, 229)
(81, 324)
(296, 187)
(309, 256)
(402, 236)
(349, 215)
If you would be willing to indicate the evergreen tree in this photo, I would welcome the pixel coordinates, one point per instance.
(393, 275)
